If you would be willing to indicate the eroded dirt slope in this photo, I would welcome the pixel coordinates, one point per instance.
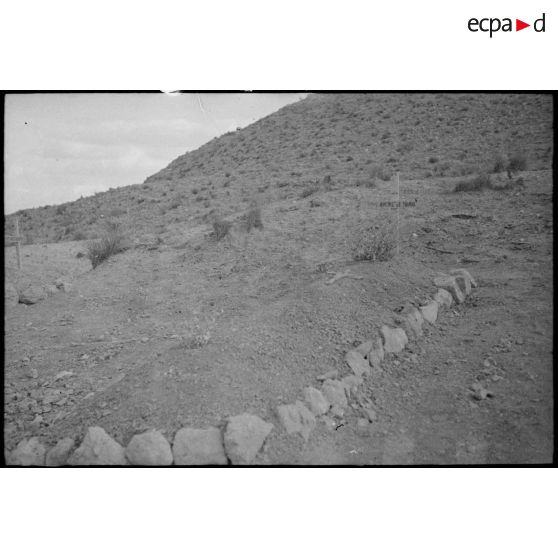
(189, 331)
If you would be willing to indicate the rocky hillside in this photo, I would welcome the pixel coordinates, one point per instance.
(324, 141)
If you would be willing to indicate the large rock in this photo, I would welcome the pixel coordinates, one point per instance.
(395, 339)
(28, 453)
(296, 419)
(193, 446)
(364, 348)
(315, 399)
(335, 392)
(443, 298)
(244, 436)
(464, 273)
(358, 364)
(11, 296)
(430, 312)
(98, 448)
(376, 353)
(412, 321)
(449, 283)
(59, 454)
(352, 383)
(32, 295)
(464, 280)
(149, 448)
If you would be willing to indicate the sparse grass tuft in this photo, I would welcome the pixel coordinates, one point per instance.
(377, 243)
(221, 228)
(381, 173)
(309, 190)
(517, 163)
(475, 184)
(111, 243)
(253, 219)
(500, 164)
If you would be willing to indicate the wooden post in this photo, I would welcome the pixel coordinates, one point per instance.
(18, 243)
(398, 204)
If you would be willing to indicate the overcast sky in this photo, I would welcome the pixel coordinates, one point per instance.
(61, 146)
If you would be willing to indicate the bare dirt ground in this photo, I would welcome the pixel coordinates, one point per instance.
(189, 331)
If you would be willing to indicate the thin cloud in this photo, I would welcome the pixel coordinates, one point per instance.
(61, 146)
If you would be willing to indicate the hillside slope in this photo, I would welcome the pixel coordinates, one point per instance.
(326, 141)
(184, 330)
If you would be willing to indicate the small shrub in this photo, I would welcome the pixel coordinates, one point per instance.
(253, 219)
(111, 243)
(377, 243)
(381, 173)
(221, 228)
(475, 184)
(500, 164)
(517, 163)
(117, 212)
(309, 190)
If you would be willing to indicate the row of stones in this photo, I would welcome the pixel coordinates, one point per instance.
(365, 360)
(244, 435)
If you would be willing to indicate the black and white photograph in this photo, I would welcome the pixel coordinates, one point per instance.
(278, 278)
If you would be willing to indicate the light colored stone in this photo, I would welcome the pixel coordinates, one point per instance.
(334, 392)
(395, 339)
(412, 321)
(32, 295)
(244, 436)
(28, 453)
(364, 348)
(337, 411)
(194, 446)
(352, 383)
(358, 364)
(464, 283)
(11, 296)
(376, 353)
(443, 298)
(329, 375)
(466, 274)
(430, 312)
(296, 419)
(316, 401)
(449, 283)
(149, 448)
(98, 448)
(59, 454)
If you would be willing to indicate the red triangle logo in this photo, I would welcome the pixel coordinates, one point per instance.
(519, 25)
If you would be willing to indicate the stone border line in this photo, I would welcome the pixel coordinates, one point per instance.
(244, 435)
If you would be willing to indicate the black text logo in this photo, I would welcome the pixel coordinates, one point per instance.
(493, 25)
